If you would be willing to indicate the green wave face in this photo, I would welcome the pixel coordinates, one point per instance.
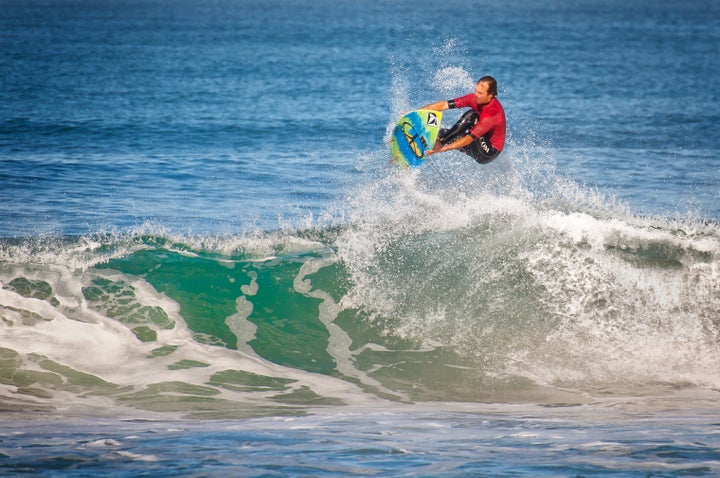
(508, 305)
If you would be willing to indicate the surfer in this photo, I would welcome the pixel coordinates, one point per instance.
(480, 132)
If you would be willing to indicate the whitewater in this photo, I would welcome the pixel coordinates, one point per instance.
(425, 294)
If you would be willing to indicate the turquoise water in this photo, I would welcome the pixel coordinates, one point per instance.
(207, 264)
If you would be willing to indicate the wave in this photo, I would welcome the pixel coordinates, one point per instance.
(430, 288)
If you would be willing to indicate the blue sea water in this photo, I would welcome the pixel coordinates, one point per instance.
(208, 265)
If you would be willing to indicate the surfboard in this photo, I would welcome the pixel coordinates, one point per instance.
(414, 134)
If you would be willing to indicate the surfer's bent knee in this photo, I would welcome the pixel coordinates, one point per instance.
(481, 150)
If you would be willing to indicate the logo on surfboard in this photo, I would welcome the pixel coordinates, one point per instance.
(413, 137)
(433, 119)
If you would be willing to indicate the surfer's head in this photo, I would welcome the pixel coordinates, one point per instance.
(485, 90)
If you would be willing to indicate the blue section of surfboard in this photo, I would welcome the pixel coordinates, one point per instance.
(413, 135)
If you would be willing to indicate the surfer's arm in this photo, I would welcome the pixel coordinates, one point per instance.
(437, 106)
(460, 143)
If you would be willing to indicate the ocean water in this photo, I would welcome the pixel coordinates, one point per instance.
(208, 264)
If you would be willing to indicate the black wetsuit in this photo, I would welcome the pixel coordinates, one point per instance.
(480, 149)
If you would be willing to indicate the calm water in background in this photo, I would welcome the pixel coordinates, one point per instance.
(198, 221)
(221, 116)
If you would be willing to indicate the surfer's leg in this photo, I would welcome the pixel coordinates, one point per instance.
(481, 150)
(460, 129)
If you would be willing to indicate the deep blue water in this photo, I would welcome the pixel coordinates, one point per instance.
(220, 116)
(201, 235)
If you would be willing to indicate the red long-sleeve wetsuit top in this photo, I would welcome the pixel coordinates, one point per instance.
(491, 119)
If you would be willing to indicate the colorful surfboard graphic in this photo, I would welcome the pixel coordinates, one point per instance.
(413, 135)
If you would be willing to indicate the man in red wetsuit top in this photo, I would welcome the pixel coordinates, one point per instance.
(480, 132)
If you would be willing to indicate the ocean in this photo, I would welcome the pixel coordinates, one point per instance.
(209, 265)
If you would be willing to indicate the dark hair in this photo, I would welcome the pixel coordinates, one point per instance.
(491, 82)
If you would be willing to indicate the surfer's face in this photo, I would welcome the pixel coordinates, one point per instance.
(482, 97)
